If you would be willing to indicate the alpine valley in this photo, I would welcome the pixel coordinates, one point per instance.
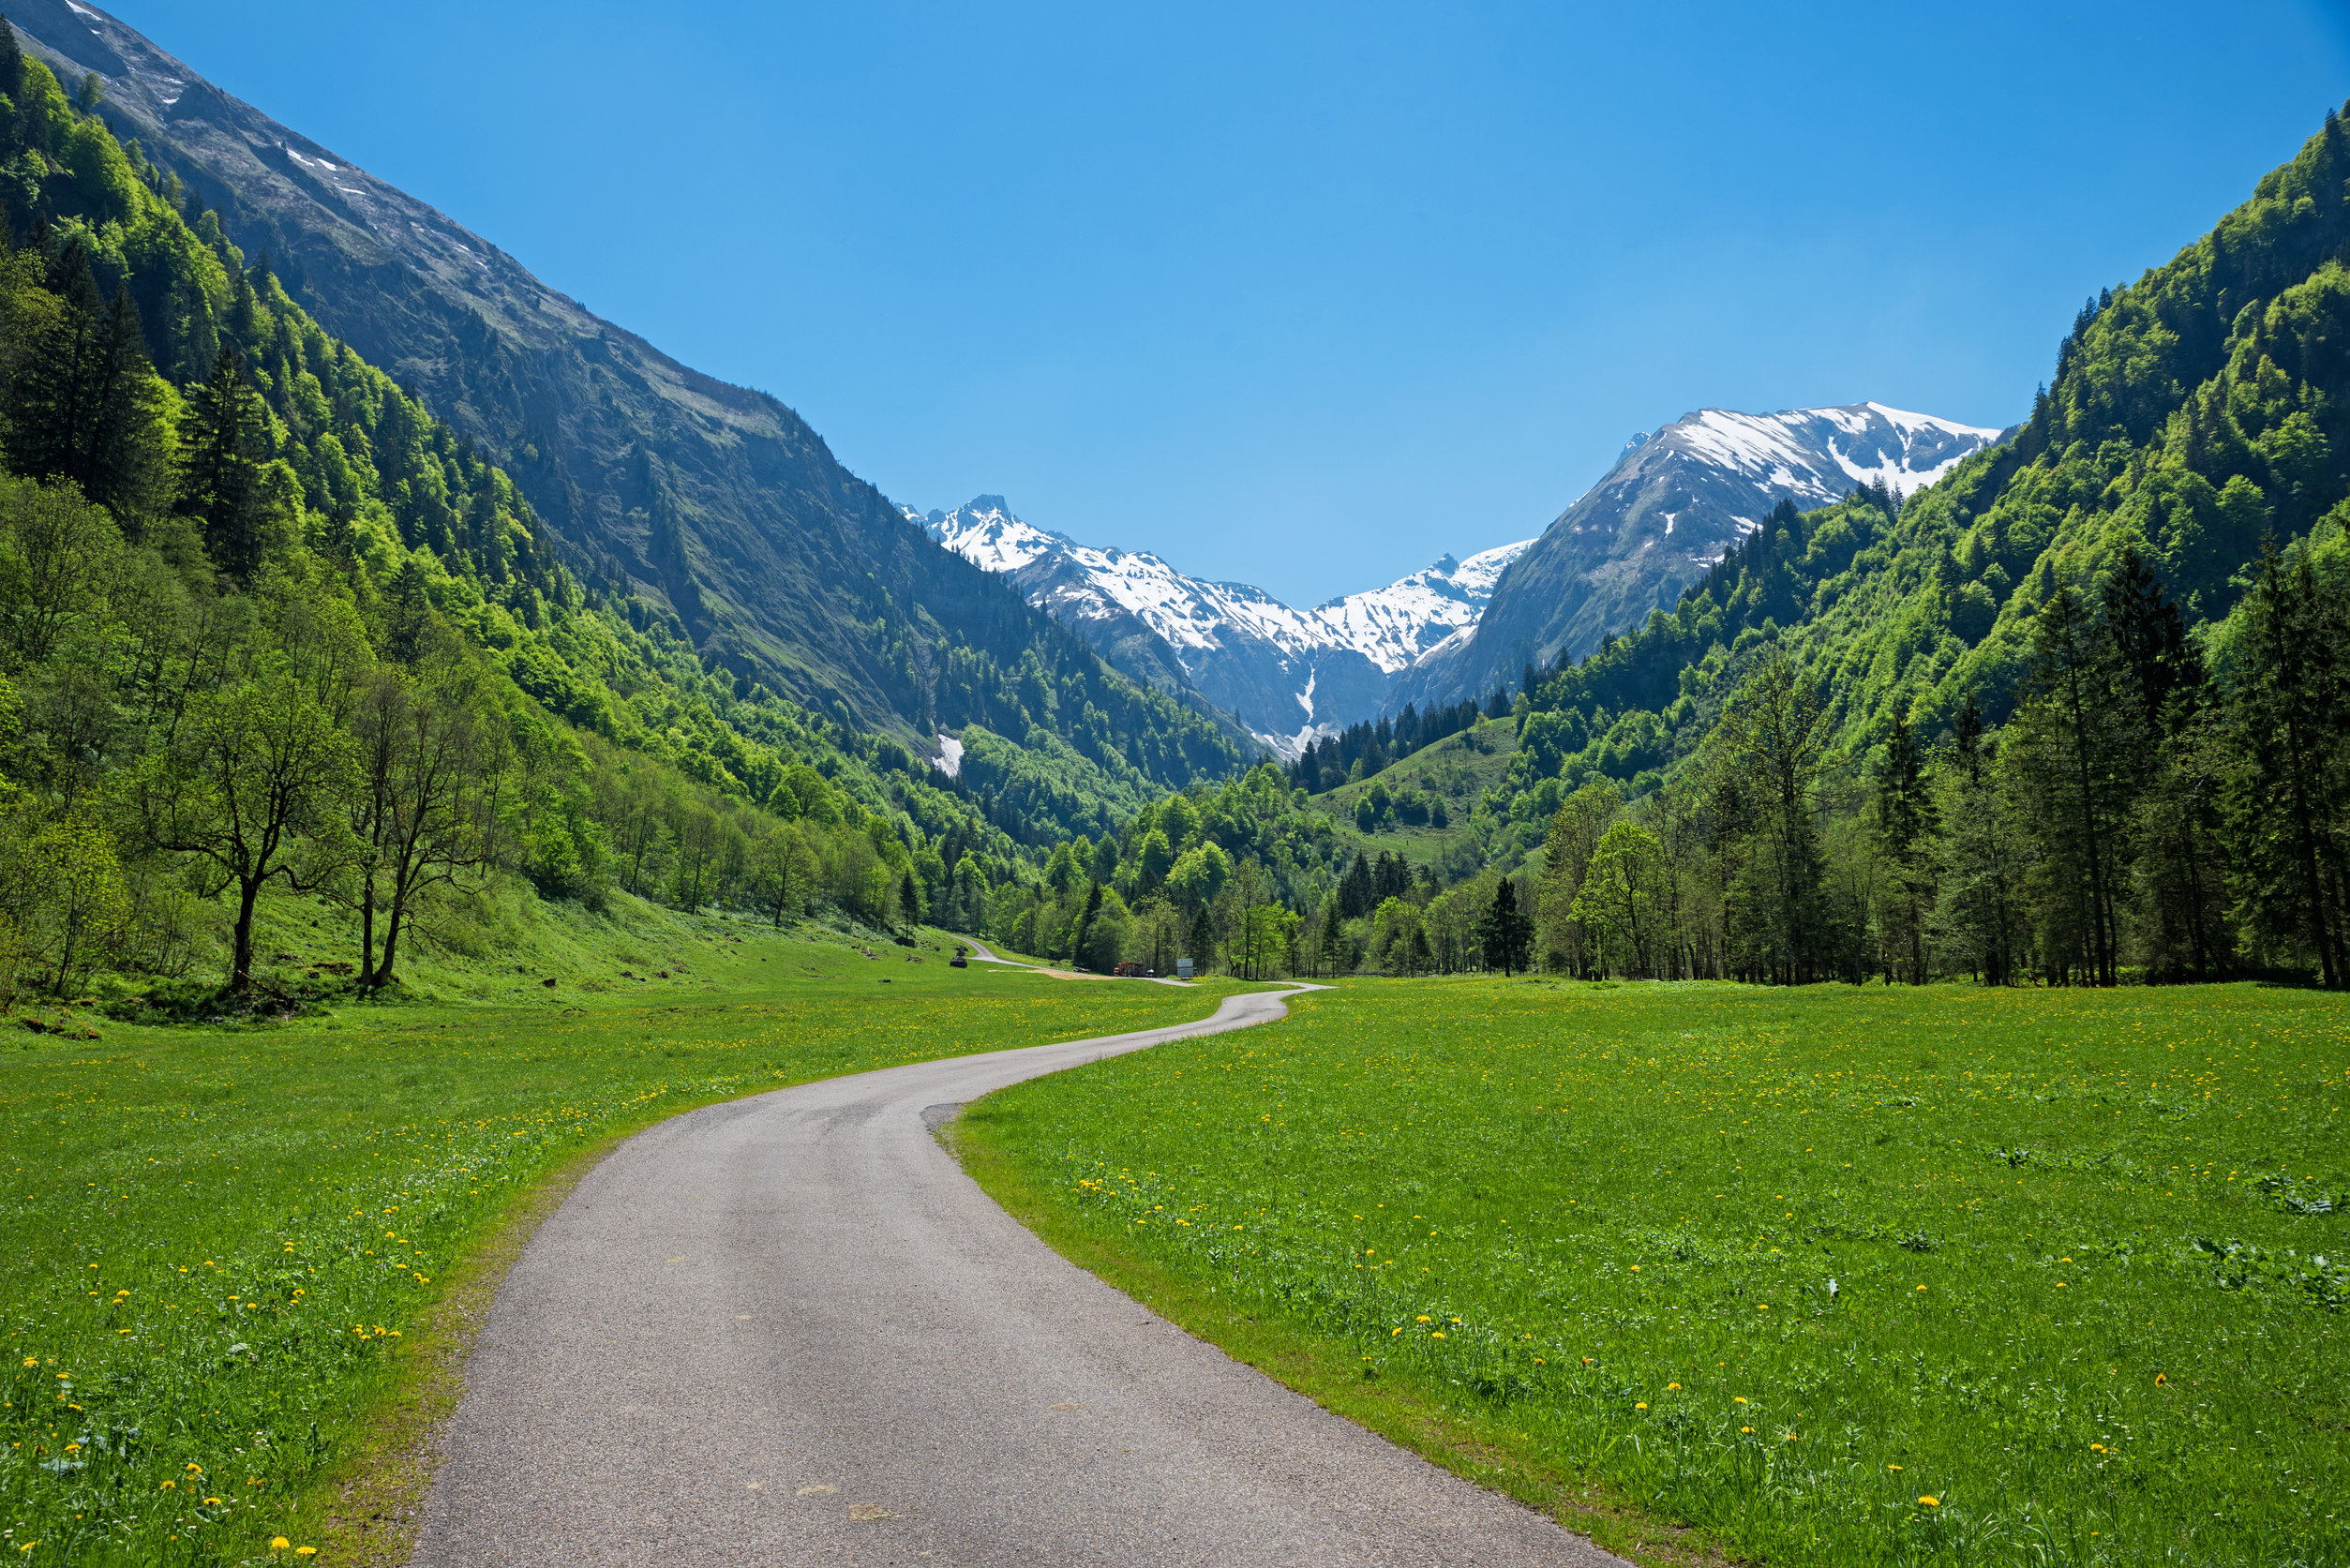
(442, 736)
(1673, 507)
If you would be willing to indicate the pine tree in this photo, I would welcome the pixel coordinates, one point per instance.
(1506, 932)
(220, 445)
(1201, 943)
(1905, 830)
(2293, 721)
(2073, 770)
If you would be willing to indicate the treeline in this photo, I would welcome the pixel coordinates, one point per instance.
(1366, 748)
(1247, 879)
(265, 622)
(2161, 806)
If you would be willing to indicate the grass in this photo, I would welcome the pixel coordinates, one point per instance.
(1459, 767)
(1577, 1242)
(230, 1252)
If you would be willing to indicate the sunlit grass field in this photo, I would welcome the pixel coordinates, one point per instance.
(1951, 1276)
(215, 1239)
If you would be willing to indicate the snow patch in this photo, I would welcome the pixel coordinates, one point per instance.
(1390, 627)
(950, 758)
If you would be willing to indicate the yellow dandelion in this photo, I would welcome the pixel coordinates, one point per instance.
(1931, 1501)
(278, 1542)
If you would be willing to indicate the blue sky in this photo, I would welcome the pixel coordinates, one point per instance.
(1306, 295)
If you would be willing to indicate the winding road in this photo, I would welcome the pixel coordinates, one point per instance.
(790, 1330)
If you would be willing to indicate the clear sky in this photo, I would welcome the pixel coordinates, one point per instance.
(1305, 296)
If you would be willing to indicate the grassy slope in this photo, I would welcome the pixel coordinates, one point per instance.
(1502, 1222)
(1459, 767)
(220, 1242)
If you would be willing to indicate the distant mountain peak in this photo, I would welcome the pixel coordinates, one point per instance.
(1676, 500)
(1286, 673)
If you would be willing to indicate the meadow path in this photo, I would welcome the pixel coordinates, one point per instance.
(790, 1330)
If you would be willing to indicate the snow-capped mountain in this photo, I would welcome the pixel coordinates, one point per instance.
(1673, 504)
(1283, 672)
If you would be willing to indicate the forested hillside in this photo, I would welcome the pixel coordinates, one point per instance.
(2079, 710)
(716, 505)
(266, 623)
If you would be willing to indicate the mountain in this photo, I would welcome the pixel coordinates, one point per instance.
(1283, 672)
(2079, 709)
(715, 504)
(1675, 502)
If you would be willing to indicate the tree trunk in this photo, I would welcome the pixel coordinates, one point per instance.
(248, 891)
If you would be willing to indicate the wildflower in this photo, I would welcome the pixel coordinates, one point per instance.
(305, 1552)
(1921, 1287)
(1643, 1404)
(1745, 1428)
(1738, 1398)
(278, 1542)
(1931, 1501)
(1893, 1467)
(1673, 1387)
(2161, 1381)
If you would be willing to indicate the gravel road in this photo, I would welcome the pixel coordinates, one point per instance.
(790, 1330)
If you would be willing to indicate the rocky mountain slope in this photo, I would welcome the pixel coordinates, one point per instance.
(1675, 502)
(1284, 672)
(713, 502)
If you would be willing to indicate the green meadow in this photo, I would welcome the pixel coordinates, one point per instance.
(1828, 1275)
(218, 1239)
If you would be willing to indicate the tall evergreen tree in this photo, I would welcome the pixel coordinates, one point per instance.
(2292, 718)
(221, 449)
(1507, 932)
(1907, 827)
(2078, 811)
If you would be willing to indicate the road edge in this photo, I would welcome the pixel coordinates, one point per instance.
(367, 1511)
(1481, 1450)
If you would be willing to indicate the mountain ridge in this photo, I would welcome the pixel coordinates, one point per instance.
(716, 503)
(1287, 674)
(1709, 478)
